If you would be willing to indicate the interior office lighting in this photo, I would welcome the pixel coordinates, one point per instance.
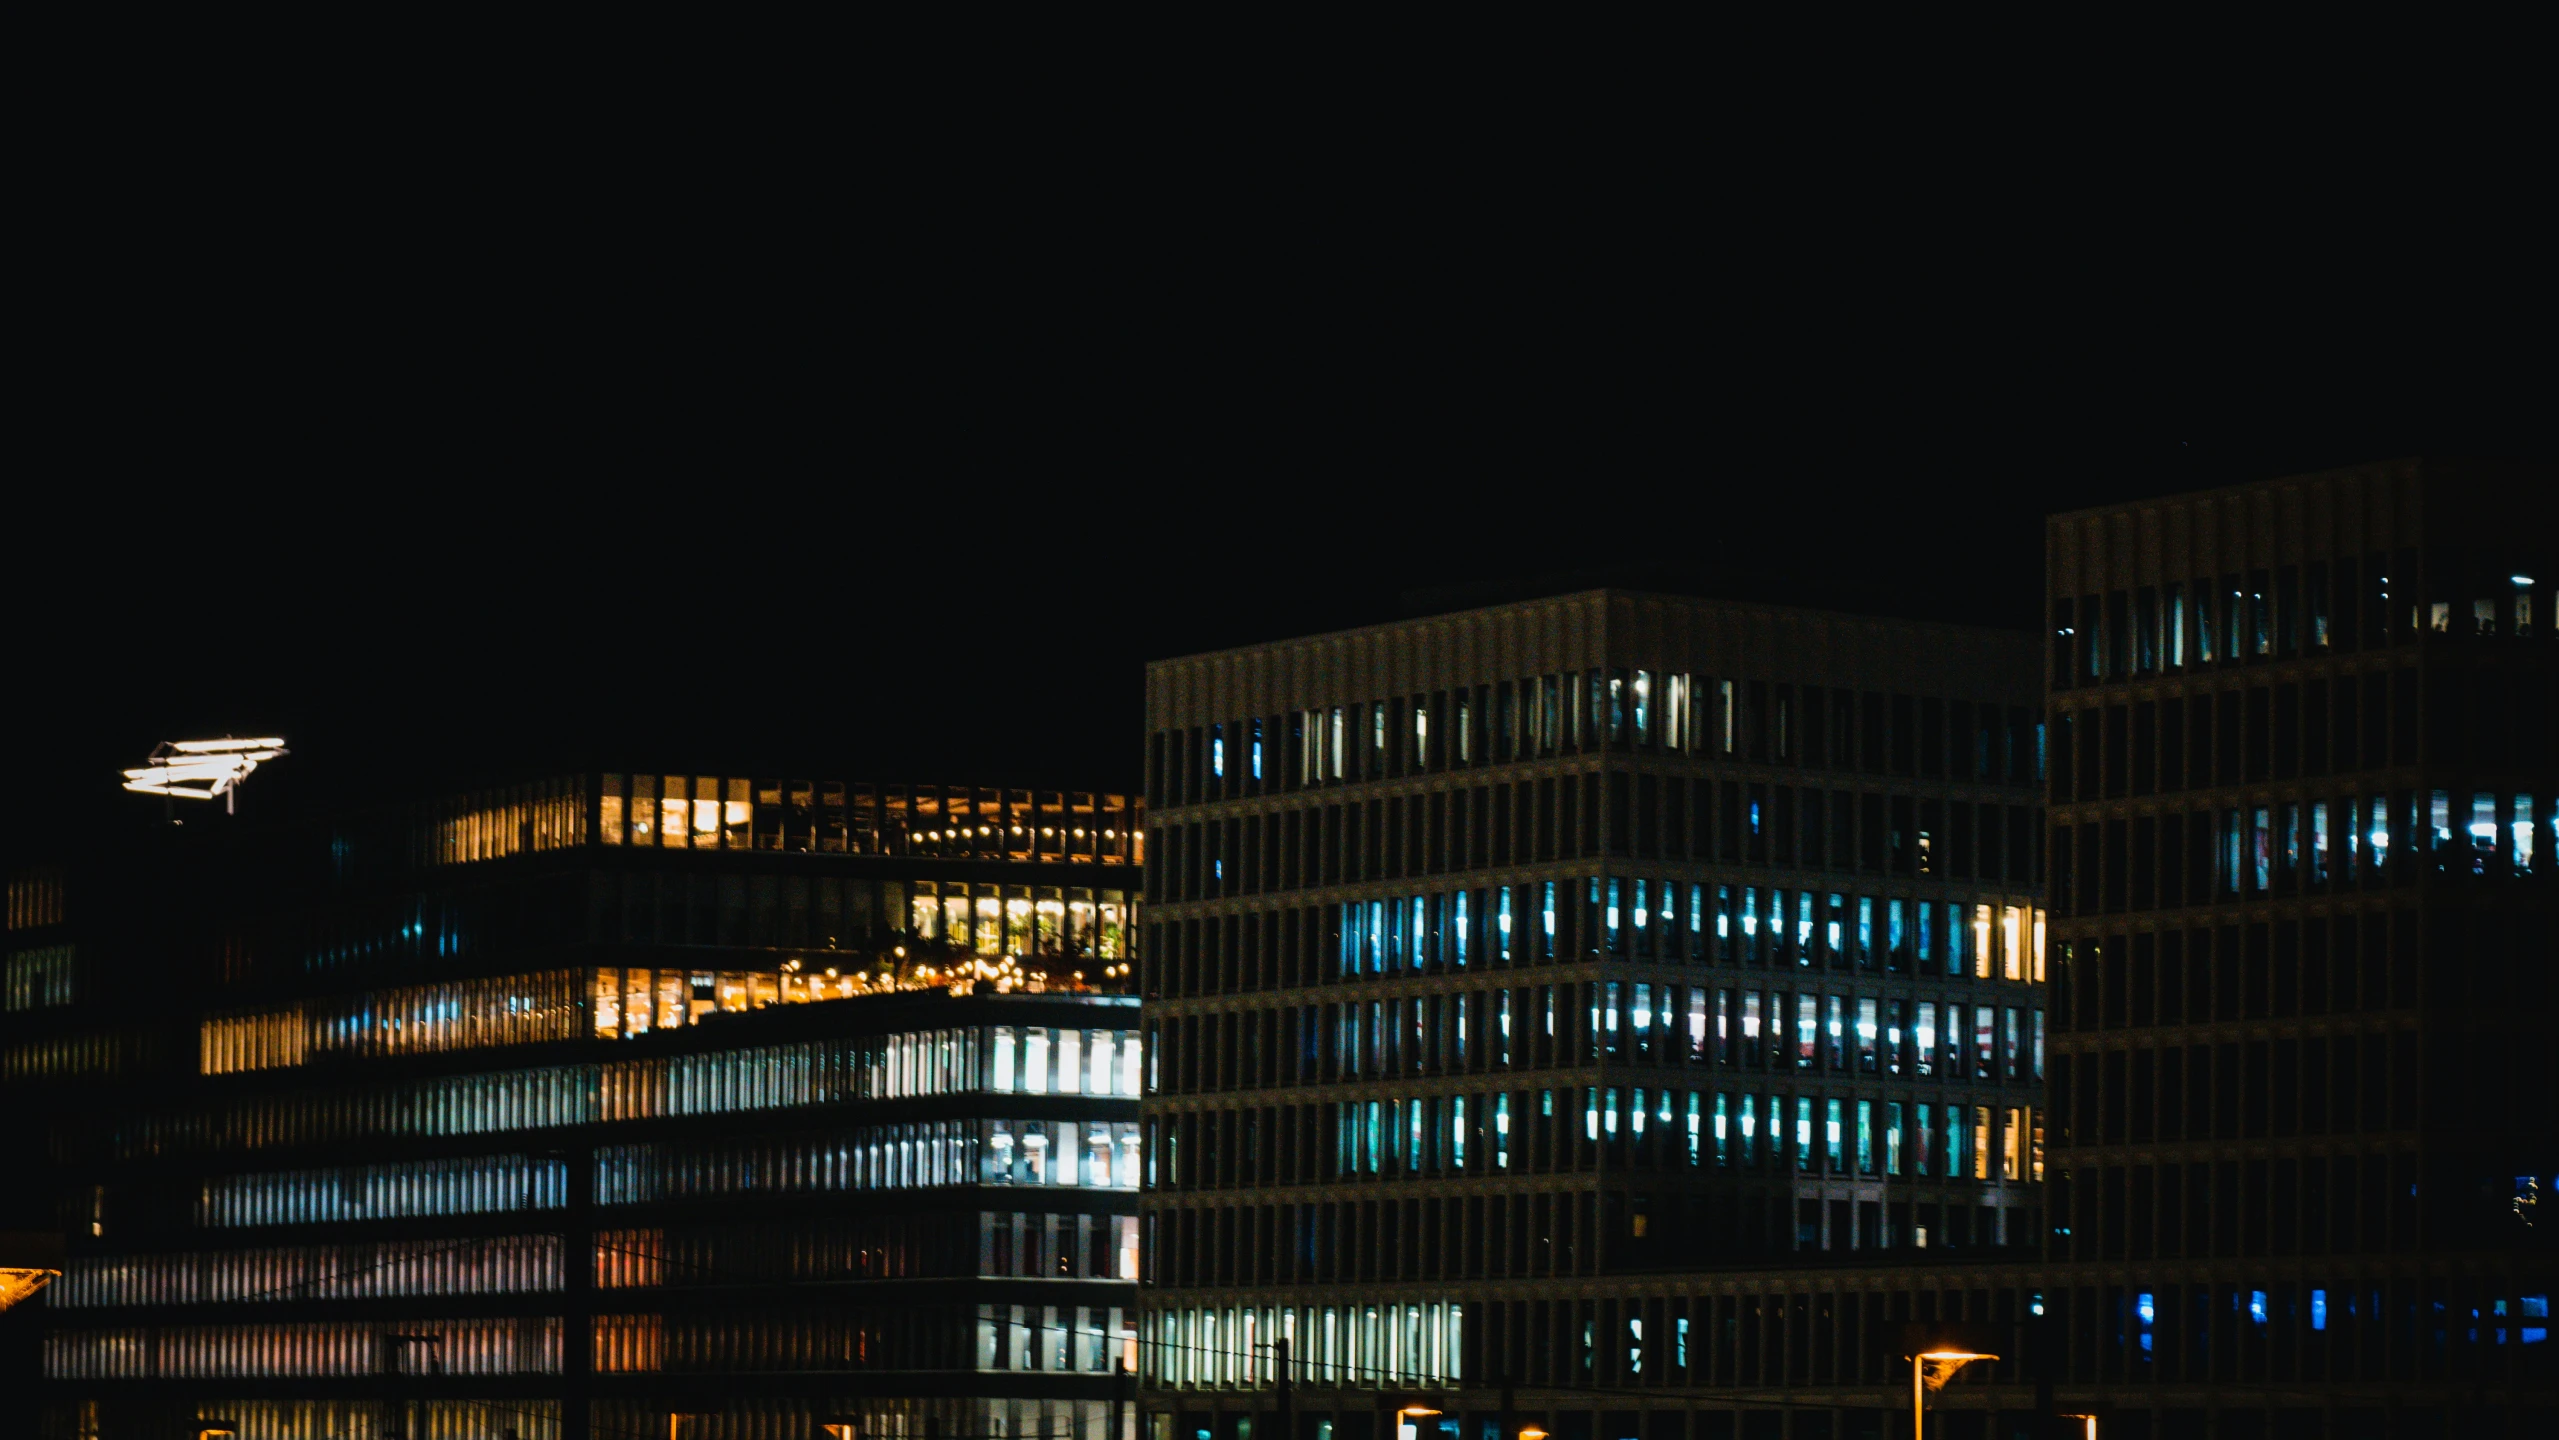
(2523, 580)
(203, 769)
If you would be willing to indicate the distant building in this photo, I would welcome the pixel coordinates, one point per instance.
(1624, 1005)
(591, 1107)
(2305, 1100)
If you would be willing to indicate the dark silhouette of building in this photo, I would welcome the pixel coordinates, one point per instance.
(607, 1105)
(1616, 1010)
(2303, 1087)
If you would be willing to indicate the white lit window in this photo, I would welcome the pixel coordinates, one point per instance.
(1070, 1061)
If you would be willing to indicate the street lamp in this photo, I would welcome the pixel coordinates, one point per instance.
(1936, 1350)
(19, 1282)
(1930, 1370)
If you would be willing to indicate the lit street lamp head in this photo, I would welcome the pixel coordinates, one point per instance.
(28, 1262)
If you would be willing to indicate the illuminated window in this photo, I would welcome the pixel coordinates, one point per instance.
(334, 1348)
(38, 978)
(675, 823)
(71, 1059)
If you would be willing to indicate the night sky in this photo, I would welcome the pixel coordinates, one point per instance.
(441, 498)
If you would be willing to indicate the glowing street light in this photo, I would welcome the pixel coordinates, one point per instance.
(202, 769)
(1936, 1352)
(1936, 1367)
(17, 1283)
(29, 1261)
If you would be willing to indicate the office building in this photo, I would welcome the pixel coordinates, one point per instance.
(2305, 1110)
(613, 1104)
(1630, 1003)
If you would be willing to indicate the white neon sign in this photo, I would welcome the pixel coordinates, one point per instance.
(202, 769)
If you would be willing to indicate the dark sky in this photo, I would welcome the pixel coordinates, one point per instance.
(461, 480)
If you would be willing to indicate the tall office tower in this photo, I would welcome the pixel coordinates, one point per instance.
(614, 1105)
(2303, 1088)
(1508, 972)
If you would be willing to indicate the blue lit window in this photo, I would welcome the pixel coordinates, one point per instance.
(2318, 1309)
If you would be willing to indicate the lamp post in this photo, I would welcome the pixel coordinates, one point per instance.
(1945, 1362)
(1285, 1401)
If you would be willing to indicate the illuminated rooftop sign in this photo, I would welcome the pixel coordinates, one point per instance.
(202, 769)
